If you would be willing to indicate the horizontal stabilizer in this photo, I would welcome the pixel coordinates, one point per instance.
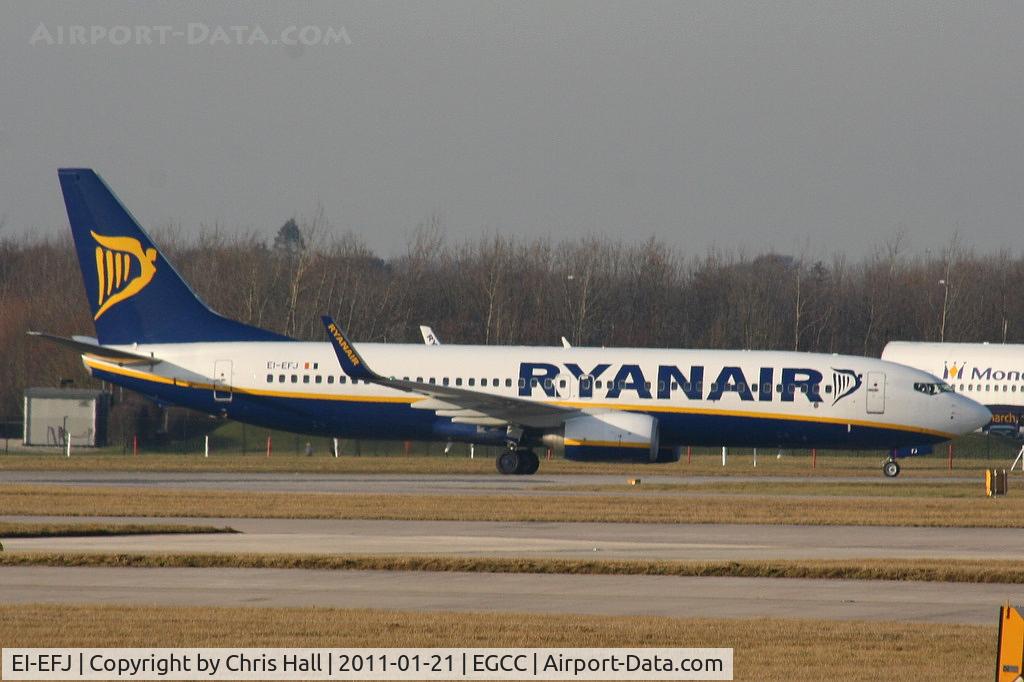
(84, 344)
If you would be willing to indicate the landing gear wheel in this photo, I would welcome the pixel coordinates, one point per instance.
(508, 462)
(528, 462)
(891, 468)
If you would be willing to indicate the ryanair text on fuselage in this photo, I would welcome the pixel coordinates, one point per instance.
(671, 381)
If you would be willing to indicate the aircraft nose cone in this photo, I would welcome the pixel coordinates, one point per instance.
(970, 415)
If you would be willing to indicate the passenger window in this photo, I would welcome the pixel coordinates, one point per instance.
(342, 380)
(295, 378)
(647, 385)
(432, 381)
(561, 383)
(280, 378)
(458, 381)
(495, 383)
(319, 379)
(778, 388)
(599, 383)
(270, 378)
(522, 383)
(547, 383)
(305, 378)
(472, 381)
(741, 387)
(508, 383)
(330, 378)
(419, 380)
(445, 381)
(483, 382)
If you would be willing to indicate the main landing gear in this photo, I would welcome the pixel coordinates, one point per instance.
(891, 468)
(520, 461)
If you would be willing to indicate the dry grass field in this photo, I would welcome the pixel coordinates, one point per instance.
(629, 507)
(810, 487)
(16, 529)
(740, 463)
(763, 649)
(930, 570)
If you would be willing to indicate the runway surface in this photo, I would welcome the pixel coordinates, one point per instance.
(548, 540)
(582, 594)
(412, 483)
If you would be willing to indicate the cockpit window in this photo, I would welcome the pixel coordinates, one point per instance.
(932, 388)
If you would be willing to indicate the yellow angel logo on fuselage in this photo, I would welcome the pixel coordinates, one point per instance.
(123, 269)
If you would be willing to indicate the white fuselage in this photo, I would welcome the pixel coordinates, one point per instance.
(754, 398)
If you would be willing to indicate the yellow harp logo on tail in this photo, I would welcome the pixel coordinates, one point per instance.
(123, 269)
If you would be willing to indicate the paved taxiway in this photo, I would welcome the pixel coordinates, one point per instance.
(583, 594)
(425, 484)
(658, 595)
(547, 540)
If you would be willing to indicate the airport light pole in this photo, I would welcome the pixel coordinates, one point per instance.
(945, 303)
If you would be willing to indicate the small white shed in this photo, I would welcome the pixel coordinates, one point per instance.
(52, 413)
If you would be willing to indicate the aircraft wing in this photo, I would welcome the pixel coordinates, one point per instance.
(89, 346)
(462, 405)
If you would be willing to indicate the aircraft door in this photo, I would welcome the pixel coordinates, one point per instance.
(876, 393)
(222, 381)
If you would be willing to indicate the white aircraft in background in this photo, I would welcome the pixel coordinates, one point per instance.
(429, 337)
(154, 336)
(989, 373)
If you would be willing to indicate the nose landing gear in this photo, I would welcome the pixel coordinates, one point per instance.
(891, 468)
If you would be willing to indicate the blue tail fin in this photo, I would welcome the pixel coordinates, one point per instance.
(135, 294)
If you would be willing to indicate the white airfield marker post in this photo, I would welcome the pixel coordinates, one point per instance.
(1020, 458)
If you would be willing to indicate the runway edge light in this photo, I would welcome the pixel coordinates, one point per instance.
(1010, 654)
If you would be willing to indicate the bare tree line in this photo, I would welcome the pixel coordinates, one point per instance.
(502, 290)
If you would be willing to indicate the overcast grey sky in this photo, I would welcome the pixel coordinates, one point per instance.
(742, 125)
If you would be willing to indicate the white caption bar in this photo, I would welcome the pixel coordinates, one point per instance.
(367, 664)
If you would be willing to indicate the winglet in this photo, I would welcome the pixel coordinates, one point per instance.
(351, 362)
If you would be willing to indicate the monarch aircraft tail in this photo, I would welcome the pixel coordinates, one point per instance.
(135, 294)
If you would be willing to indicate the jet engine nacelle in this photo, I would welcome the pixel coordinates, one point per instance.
(612, 436)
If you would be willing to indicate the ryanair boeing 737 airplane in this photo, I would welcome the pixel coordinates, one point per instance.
(154, 336)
